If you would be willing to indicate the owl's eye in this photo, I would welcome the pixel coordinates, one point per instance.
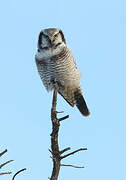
(45, 36)
(56, 35)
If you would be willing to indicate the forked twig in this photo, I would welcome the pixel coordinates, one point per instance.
(81, 149)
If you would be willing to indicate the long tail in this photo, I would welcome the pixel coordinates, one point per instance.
(81, 104)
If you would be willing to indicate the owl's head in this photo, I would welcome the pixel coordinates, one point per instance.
(50, 38)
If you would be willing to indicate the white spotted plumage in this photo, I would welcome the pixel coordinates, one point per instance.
(56, 65)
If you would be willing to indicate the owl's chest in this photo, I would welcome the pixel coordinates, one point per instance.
(53, 66)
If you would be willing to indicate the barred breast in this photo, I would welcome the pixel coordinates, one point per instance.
(63, 68)
(60, 69)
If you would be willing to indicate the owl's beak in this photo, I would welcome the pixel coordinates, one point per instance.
(51, 39)
(52, 42)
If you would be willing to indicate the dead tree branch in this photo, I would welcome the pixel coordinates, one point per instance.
(3, 173)
(56, 153)
(69, 165)
(54, 138)
(18, 173)
(63, 118)
(7, 162)
(1, 154)
(2, 165)
(81, 149)
(64, 150)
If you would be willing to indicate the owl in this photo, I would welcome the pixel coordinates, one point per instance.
(57, 67)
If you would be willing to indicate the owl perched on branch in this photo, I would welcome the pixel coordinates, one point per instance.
(57, 67)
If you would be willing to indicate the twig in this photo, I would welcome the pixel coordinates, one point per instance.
(63, 118)
(81, 149)
(64, 150)
(50, 151)
(3, 173)
(1, 165)
(69, 165)
(59, 112)
(1, 154)
(18, 173)
(5, 163)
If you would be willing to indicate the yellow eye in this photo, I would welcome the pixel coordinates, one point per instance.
(56, 36)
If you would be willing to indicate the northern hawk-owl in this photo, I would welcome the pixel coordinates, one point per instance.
(57, 67)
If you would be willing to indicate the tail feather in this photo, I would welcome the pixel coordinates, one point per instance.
(81, 104)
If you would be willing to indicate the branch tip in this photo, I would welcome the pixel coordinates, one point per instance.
(63, 118)
(3, 173)
(1, 154)
(64, 150)
(69, 154)
(18, 173)
(69, 165)
(59, 112)
(5, 163)
(50, 151)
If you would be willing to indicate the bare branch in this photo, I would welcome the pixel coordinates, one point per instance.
(54, 138)
(63, 118)
(56, 154)
(54, 99)
(1, 154)
(1, 165)
(69, 165)
(50, 151)
(3, 173)
(64, 150)
(5, 163)
(18, 173)
(81, 149)
(59, 112)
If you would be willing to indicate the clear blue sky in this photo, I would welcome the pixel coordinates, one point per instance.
(96, 32)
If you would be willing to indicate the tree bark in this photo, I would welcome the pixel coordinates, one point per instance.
(54, 138)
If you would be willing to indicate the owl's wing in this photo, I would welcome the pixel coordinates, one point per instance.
(67, 93)
(65, 96)
(75, 63)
